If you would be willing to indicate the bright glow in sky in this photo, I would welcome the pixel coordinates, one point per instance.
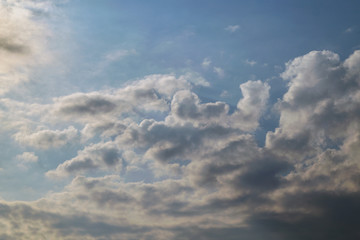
(179, 119)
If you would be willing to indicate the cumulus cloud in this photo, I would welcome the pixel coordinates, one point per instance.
(149, 94)
(186, 106)
(251, 106)
(321, 104)
(226, 185)
(45, 139)
(93, 157)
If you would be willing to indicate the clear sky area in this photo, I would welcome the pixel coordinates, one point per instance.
(179, 119)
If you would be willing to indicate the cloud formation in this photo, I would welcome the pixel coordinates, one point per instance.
(208, 176)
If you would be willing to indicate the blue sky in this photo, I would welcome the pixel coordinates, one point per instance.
(179, 119)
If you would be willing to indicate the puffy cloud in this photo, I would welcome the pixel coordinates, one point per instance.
(321, 105)
(226, 186)
(186, 106)
(251, 106)
(93, 157)
(104, 128)
(45, 139)
(84, 105)
(149, 94)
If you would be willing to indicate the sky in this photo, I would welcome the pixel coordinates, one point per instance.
(179, 119)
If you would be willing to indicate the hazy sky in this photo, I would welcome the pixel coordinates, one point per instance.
(179, 119)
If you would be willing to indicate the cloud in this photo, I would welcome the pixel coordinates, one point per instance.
(26, 158)
(22, 43)
(208, 176)
(118, 54)
(224, 94)
(250, 62)
(251, 106)
(195, 78)
(232, 28)
(93, 157)
(219, 71)
(206, 63)
(349, 30)
(113, 56)
(186, 106)
(85, 104)
(149, 94)
(321, 104)
(45, 139)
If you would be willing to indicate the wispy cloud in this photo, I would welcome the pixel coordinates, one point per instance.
(206, 63)
(25, 159)
(349, 30)
(232, 28)
(112, 57)
(219, 71)
(250, 62)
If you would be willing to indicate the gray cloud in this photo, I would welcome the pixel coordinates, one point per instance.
(304, 184)
(93, 157)
(10, 46)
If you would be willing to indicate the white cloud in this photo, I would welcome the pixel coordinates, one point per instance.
(232, 28)
(224, 94)
(205, 166)
(113, 56)
(250, 62)
(219, 71)
(195, 78)
(45, 139)
(118, 55)
(93, 157)
(26, 158)
(206, 63)
(251, 106)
